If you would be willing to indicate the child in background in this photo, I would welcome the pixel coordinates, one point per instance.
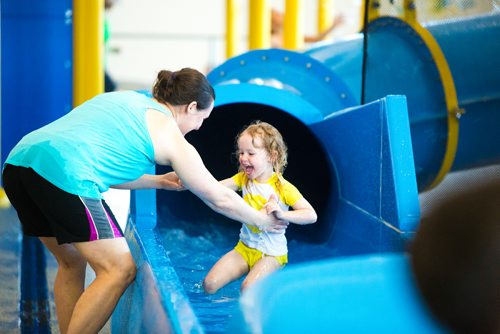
(277, 19)
(262, 156)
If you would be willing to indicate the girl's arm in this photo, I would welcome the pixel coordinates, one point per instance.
(322, 35)
(302, 214)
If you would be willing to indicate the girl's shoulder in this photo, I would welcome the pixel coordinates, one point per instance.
(240, 179)
(288, 193)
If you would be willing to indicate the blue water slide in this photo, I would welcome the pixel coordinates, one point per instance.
(402, 60)
(359, 155)
(361, 165)
(367, 294)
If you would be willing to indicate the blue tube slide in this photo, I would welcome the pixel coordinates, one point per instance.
(401, 61)
(361, 166)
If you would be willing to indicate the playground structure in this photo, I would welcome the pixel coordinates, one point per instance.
(362, 167)
(432, 106)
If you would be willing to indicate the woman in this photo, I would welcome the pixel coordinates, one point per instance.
(55, 175)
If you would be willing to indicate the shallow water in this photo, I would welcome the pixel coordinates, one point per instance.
(192, 257)
(194, 252)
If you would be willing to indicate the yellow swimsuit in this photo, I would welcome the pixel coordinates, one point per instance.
(254, 244)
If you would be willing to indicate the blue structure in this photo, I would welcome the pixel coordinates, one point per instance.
(37, 83)
(369, 294)
(361, 165)
(36, 89)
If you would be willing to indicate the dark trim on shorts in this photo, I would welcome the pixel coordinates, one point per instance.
(48, 211)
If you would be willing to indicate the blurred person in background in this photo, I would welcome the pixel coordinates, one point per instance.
(277, 31)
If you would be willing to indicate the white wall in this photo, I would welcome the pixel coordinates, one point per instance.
(150, 35)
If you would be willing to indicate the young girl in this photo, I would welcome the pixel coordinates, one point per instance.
(262, 156)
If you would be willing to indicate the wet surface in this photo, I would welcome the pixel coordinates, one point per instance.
(193, 254)
(194, 247)
(10, 276)
(10, 249)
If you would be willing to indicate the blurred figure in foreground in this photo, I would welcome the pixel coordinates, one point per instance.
(456, 260)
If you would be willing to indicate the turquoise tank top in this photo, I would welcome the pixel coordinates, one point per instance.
(103, 142)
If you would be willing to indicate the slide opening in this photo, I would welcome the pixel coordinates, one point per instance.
(309, 166)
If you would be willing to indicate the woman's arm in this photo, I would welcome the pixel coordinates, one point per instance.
(229, 183)
(168, 181)
(171, 148)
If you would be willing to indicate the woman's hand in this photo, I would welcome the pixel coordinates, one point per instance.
(275, 226)
(170, 181)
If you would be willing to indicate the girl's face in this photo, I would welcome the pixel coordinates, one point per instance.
(254, 158)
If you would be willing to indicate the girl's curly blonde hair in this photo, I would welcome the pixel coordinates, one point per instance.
(272, 142)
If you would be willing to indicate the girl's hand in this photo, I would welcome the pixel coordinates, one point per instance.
(272, 207)
(170, 181)
(276, 224)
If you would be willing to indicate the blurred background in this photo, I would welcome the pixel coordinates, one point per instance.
(149, 35)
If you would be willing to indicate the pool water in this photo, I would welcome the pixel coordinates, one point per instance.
(194, 252)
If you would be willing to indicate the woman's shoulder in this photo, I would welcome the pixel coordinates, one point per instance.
(139, 95)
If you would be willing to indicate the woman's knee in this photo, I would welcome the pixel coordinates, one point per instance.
(123, 270)
(129, 270)
(110, 258)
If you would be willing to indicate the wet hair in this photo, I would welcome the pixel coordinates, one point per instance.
(272, 142)
(183, 87)
(456, 259)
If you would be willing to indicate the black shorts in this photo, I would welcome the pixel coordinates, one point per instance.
(47, 211)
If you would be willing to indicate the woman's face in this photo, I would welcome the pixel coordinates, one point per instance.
(194, 117)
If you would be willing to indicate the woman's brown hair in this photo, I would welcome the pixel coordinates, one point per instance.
(183, 87)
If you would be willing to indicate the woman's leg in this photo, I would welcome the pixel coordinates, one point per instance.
(46, 210)
(262, 268)
(70, 279)
(115, 270)
(229, 268)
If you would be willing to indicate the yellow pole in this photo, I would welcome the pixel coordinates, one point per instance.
(232, 11)
(373, 11)
(293, 28)
(4, 201)
(88, 49)
(409, 11)
(259, 25)
(325, 15)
